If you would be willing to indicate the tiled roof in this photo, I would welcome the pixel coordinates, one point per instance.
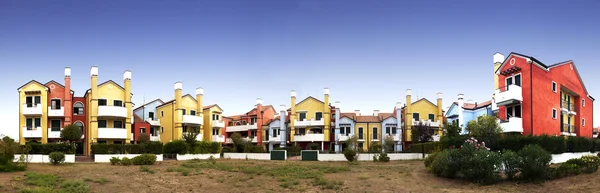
(367, 119)
(384, 116)
(137, 119)
(477, 105)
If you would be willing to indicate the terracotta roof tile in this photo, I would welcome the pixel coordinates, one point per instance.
(383, 116)
(137, 119)
(367, 119)
(472, 106)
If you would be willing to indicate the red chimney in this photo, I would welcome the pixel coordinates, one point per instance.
(259, 121)
(68, 103)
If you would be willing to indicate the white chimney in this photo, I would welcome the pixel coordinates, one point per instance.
(439, 95)
(498, 58)
(67, 72)
(127, 75)
(470, 101)
(283, 108)
(94, 71)
(357, 112)
(461, 96)
(326, 91)
(375, 112)
(293, 93)
(199, 91)
(259, 101)
(178, 85)
(337, 104)
(399, 105)
(408, 92)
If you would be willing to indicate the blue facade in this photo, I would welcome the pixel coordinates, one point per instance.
(343, 122)
(274, 127)
(144, 111)
(467, 115)
(389, 122)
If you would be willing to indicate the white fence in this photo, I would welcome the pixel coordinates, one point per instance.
(104, 158)
(39, 158)
(563, 157)
(253, 156)
(196, 156)
(369, 156)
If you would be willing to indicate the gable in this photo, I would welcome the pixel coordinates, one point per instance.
(275, 123)
(32, 85)
(565, 69)
(152, 104)
(423, 103)
(389, 119)
(110, 84)
(346, 120)
(452, 110)
(189, 102)
(310, 104)
(214, 108)
(519, 60)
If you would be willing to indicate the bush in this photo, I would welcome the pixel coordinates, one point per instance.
(143, 138)
(590, 163)
(446, 163)
(427, 147)
(313, 146)
(115, 161)
(153, 147)
(429, 159)
(71, 133)
(46, 149)
(350, 154)
(567, 169)
(126, 161)
(175, 147)
(144, 159)
(8, 148)
(579, 144)
(383, 157)
(57, 157)
(511, 161)
(534, 166)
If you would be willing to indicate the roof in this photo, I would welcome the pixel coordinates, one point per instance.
(263, 108)
(425, 100)
(137, 119)
(384, 116)
(309, 97)
(348, 115)
(32, 81)
(473, 106)
(59, 84)
(110, 81)
(367, 119)
(149, 103)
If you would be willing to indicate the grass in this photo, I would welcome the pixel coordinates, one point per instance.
(146, 169)
(50, 183)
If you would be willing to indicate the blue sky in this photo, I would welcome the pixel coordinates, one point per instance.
(368, 53)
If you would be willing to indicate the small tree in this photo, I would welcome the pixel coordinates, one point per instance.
(389, 143)
(422, 133)
(452, 129)
(190, 136)
(71, 133)
(143, 138)
(351, 152)
(240, 145)
(486, 128)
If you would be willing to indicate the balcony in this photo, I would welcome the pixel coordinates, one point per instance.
(154, 137)
(56, 112)
(218, 123)
(568, 129)
(308, 123)
(395, 136)
(238, 128)
(32, 109)
(153, 122)
(54, 134)
(193, 119)
(344, 137)
(568, 107)
(218, 138)
(426, 122)
(112, 133)
(253, 140)
(309, 137)
(512, 94)
(513, 124)
(198, 137)
(35, 133)
(112, 111)
(275, 139)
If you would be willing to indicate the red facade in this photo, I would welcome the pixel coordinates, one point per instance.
(79, 111)
(137, 127)
(539, 98)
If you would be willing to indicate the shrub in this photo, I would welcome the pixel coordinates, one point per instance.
(154, 147)
(383, 157)
(8, 147)
(175, 147)
(446, 163)
(46, 149)
(591, 163)
(579, 144)
(511, 161)
(313, 146)
(534, 165)
(350, 154)
(567, 169)
(375, 147)
(144, 159)
(126, 161)
(426, 147)
(57, 157)
(429, 159)
(143, 138)
(477, 163)
(71, 133)
(115, 161)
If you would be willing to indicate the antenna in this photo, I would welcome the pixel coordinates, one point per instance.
(144, 106)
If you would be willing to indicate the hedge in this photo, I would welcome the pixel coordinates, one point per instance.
(46, 149)
(153, 147)
(426, 147)
(200, 147)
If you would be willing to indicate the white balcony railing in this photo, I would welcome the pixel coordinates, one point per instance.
(218, 138)
(56, 112)
(198, 137)
(112, 111)
(193, 119)
(514, 124)
(508, 95)
(218, 123)
(308, 123)
(275, 139)
(309, 137)
(35, 133)
(54, 134)
(254, 140)
(155, 138)
(395, 136)
(426, 122)
(112, 133)
(35, 109)
(238, 128)
(344, 137)
(153, 122)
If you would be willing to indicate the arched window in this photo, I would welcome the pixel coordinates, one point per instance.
(78, 108)
(80, 125)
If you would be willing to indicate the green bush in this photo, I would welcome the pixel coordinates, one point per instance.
(115, 161)
(313, 146)
(46, 149)
(255, 149)
(227, 149)
(375, 147)
(534, 166)
(446, 163)
(57, 157)
(176, 147)
(153, 147)
(144, 159)
(511, 161)
(567, 169)
(579, 144)
(383, 157)
(429, 159)
(427, 147)
(591, 163)
(126, 161)
(199, 147)
(350, 154)
(8, 148)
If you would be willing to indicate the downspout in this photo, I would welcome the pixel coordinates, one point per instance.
(368, 136)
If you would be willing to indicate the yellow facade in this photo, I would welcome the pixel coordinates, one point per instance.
(310, 106)
(171, 114)
(367, 133)
(568, 120)
(213, 112)
(33, 89)
(424, 108)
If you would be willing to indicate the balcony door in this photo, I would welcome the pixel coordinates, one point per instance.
(55, 104)
(55, 125)
(516, 80)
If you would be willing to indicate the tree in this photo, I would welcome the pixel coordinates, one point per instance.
(452, 129)
(422, 133)
(190, 136)
(351, 152)
(388, 143)
(71, 133)
(143, 138)
(240, 145)
(485, 127)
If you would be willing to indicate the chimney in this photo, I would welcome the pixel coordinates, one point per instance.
(375, 112)
(469, 101)
(259, 121)
(259, 101)
(127, 103)
(460, 104)
(178, 114)
(338, 113)
(293, 108)
(282, 127)
(199, 95)
(337, 105)
(67, 102)
(93, 128)
(399, 114)
(439, 110)
(408, 110)
(498, 58)
(357, 112)
(326, 109)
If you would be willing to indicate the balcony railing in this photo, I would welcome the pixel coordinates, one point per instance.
(153, 122)
(193, 119)
(309, 137)
(112, 111)
(395, 136)
(275, 139)
(155, 138)
(245, 127)
(218, 123)
(344, 136)
(568, 107)
(508, 95)
(218, 138)
(513, 124)
(567, 128)
(426, 122)
(54, 134)
(56, 112)
(32, 109)
(32, 132)
(112, 133)
(308, 123)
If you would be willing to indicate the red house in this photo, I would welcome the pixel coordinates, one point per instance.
(534, 98)
(250, 123)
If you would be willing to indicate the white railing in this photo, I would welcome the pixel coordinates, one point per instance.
(35, 133)
(254, 140)
(112, 111)
(344, 137)
(245, 127)
(396, 136)
(56, 112)
(426, 122)
(309, 137)
(311, 122)
(155, 138)
(193, 119)
(153, 122)
(218, 123)
(112, 133)
(218, 138)
(36, 109)
(54, 134)
(514, 124)
(275, 139)
(504, 95)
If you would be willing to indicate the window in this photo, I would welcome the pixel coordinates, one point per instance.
(55, 125)
(431, 117)
(151, 115)
(215, 131)
(117, 142)
(117, 103)
(142, 130)
(215, 117)
(582, 122)
(275, 131)
(102, 102)
(32, 123)
(318, 116)
(29, 123)
(162, 114)
(516, 80)
(301, 116)
(192, 112)
(583, 102)
(80, 125)
(360, 133)
(553, 113)
(101, 142)
(152, 131)
(78, 108)
(162, 129)
(513, 111)
(302, 131)
(55, 104)
(360, 145)
(118, 124)
(252, 121)
(375, 133)
(394, 130)
(38, 122)
(347, 131)
(416, 116)
(184, 129)
(388, 130)
(183, 111)
(342, 130)
(553, 86)
(244, 122)
(101, 123)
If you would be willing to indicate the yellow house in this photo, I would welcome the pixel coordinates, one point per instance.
(181, 115)
(109, 107)
(213, 124)
(424, 112)
(368, 130)
(310, 120)
(33, 98)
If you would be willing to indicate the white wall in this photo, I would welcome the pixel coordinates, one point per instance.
(369, 156)
(254, 156)
(563, 157)
(196, 156)
(39, 158)
(104, 158)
